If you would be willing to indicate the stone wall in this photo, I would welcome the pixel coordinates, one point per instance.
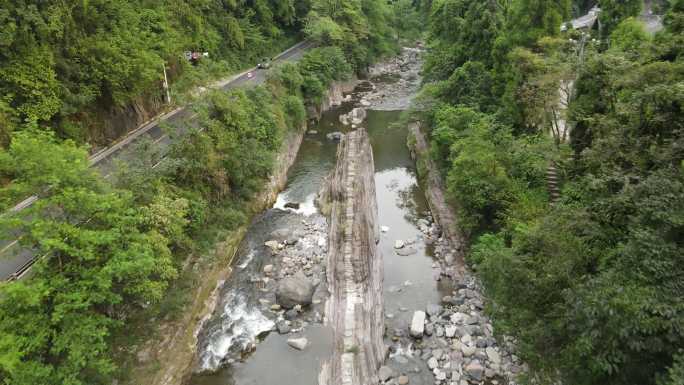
(434, 192)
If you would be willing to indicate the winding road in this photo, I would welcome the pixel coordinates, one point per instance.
(16, 260)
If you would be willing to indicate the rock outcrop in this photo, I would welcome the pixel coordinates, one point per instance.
(441, 210)
(355, 268)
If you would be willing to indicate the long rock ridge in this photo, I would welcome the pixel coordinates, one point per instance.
(355, 269)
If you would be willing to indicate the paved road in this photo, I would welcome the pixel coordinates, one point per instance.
(16, 258)
(652, 22)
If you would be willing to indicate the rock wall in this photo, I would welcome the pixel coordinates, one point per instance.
(434, 192)
(105, 125)
(355, 270)
(334, 97)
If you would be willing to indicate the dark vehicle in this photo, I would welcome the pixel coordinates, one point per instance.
(264, 64)
(194, 57)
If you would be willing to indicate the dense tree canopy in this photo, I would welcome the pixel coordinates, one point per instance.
(109, 250)
(62, 59)
(591, 285)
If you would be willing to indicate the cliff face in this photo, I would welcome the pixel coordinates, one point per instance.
(355, 268)
(441, 210)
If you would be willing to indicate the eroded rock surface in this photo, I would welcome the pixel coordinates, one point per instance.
(355, 269)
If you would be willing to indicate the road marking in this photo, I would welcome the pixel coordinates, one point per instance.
(96, 158)
(9, 245)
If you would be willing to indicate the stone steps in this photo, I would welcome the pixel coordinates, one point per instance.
(552, 182)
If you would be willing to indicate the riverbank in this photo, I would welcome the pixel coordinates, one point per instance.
(167, 358)
(454, 336)
(271, 322)
(255, 326)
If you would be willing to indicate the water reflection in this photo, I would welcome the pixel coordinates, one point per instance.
(409, 279)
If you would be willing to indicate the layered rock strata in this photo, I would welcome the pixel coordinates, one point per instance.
(355, 268)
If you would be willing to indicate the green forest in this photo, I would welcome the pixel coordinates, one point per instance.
(591, 283)
(62, 64)
(114, 250)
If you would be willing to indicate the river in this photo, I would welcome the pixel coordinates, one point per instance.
(240, 343)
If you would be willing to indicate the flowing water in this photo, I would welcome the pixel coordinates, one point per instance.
(237, 346)
(240, 322)
(410, 281)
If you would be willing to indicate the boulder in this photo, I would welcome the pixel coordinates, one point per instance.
(385, 373)
(432, 363)
(292, 205)
(403, 380)
(283, 327)
(475, 370)
(399, 244)
(291, 314)
(418, 324)
(468, 350)
(406, 251)
(273, 245)
(336, 136)
(437, 353)
(357, 115)
(493, 355)
(295, 290)
(298, 343)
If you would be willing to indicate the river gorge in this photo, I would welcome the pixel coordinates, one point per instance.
(272, 325)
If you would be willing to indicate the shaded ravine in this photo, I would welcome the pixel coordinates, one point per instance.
(409, 279)
(244, 315)
(236, 345)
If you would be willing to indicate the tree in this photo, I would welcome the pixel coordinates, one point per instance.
(629, 36)
(614, 11)
(99, 257)
(36, 162)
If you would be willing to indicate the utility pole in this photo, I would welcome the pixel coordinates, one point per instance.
(166, 85)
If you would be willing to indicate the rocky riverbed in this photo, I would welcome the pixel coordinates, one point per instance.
(447, 340)
(434, 327)
(282, 275)
(453, 337)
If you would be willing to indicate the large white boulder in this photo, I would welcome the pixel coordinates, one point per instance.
(418, 324)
